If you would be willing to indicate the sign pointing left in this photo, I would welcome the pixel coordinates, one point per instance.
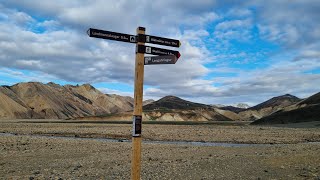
(97, 33)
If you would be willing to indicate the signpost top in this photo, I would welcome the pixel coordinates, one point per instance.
(97, 33)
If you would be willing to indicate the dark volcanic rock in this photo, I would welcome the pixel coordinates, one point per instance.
(172, 102)
(283, 101)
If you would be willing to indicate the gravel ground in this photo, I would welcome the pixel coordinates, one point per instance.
(28, 157)
(206, 133)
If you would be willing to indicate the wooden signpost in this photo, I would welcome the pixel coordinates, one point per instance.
(166, 57)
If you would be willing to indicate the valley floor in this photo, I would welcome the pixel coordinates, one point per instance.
(31, 153)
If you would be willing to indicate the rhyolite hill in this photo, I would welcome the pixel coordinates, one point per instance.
(303, 111)
(52, 101)
(36, 100)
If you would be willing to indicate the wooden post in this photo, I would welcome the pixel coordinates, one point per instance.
(137, 112)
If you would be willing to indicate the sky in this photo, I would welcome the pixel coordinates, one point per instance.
(232, 51)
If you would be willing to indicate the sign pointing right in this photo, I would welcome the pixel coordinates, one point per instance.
(159, 40)
(157, 51)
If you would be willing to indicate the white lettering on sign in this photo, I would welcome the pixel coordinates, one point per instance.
(163, 41)
(161, 60)
(124, 38)
(105, 35)
(162, 52)
(148, 39)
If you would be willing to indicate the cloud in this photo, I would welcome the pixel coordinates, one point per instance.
(49, 39)
(25, 76)
(308, 55)
(233, 24)
(113, 91)
(232, 30)
(238, 12)
(292, 24)
(70, 55)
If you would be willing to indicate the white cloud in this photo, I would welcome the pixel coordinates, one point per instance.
(25, 76)
(233, 24)
(64, 52)
(289, 23)
(238, 12)
(113, 91)
(72, 56)
(308, 55)
(228, 30)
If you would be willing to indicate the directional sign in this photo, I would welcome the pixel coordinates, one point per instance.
(166, 56)
(112, 35)
(169, 59)
(159, 40)
(157, 51)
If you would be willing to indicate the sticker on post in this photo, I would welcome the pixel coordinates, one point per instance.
(137, 121)
(148, 50)
(133, 39)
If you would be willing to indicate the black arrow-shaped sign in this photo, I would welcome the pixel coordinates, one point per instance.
(169, 59)
(97, 33)
(159, 40)
(156, 51)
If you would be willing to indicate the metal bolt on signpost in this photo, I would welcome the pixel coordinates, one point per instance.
(166, 56)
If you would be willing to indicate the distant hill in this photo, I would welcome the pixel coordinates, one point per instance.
(275, 102)
(177, 109)
(314, 99)
(303, 111)
(242, 105)
(173, 102)
(303, 114)
(37, 100)
(268, 107)
(148, 101)
(232, 108)
(129, 99)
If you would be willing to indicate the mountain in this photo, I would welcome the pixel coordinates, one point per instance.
(129, 99)
(277, 102)
(37, 100)
(232, 108)
(124, 102)
(148, 101)
(176, 109)
(304, 111)
(44, 101)
(173, 102)
(314, 99)
(268, 107)
(242, 105)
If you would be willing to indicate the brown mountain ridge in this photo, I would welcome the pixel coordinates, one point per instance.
(36, 100)
(303, 111)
